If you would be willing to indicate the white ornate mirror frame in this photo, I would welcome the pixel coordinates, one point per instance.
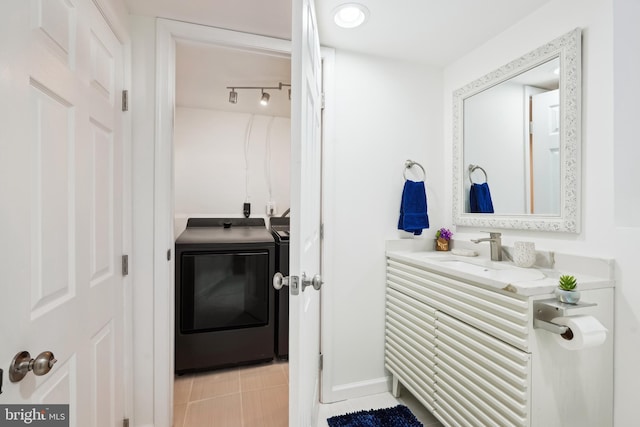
(568, 49)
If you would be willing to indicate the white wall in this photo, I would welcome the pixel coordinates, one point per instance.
(212, 174)
(626, 110)
(610, 225)
(386, 112)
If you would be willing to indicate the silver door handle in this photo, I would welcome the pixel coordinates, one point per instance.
(279, 280)
(22, 363)
(315, 281)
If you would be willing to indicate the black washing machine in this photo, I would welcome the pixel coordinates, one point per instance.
(280, 231)
(224, 296)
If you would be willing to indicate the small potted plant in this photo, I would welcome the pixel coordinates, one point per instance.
(443, 236)
(566, 291)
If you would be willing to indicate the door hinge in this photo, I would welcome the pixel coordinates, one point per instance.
(321, 363)
(168, 254)
(125, 100)
(530, 128)
(125, 422)
(125, 265)
(322, 231)
(322, 101)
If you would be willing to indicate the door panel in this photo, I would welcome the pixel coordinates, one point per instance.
(546, 152)
(61, 187)
(304, 308)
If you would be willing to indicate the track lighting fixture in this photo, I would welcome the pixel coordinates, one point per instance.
(233, 96)
(264, 100)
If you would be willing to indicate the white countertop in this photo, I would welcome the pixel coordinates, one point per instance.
(500, 275)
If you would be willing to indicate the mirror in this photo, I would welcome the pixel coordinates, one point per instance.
(516, 142)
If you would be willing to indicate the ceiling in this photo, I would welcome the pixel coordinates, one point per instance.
(203, 73)
(434, 32)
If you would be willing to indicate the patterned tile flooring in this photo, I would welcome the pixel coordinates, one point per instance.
(252, 396)
(258, 396)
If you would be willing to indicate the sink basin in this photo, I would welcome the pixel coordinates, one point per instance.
(474, 265)
(502, 272)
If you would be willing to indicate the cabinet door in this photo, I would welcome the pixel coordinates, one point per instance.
(409, 344)
(479, 380)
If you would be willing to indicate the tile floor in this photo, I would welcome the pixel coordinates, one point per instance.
(252, 396)
(258, 396)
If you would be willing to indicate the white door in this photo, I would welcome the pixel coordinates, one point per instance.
(545, 153)
(304, 310)
(61, 189)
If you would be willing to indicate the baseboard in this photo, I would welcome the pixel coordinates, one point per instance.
(359, 389)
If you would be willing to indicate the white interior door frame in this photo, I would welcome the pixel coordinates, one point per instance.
(119, 25)
(167, 32)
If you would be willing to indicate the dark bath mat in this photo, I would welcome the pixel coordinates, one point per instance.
(399, 416)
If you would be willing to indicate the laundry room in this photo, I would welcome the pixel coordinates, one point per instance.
(231, 178)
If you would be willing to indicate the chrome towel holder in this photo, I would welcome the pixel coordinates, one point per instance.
(408, 165)
(473, 168)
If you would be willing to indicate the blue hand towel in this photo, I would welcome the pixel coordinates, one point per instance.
(413, 208)
(480, 198)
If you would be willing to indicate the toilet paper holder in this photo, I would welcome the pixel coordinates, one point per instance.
(546, 310)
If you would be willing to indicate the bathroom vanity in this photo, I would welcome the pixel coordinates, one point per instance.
(460, 336)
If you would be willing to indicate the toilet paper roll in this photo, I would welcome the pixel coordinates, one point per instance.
(585, 331)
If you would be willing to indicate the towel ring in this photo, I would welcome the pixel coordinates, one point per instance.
(472, 168)
(408, 165)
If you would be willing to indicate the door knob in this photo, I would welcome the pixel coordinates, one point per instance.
(315, 281)
(279, 280)
(22, 363)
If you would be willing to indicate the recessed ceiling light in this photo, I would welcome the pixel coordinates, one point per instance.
(350, 15)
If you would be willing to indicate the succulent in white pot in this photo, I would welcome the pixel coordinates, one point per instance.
(566, 291)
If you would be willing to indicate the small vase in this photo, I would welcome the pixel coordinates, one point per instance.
(568, 297)
(442, 244)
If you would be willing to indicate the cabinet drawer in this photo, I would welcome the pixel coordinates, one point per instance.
(503, 316)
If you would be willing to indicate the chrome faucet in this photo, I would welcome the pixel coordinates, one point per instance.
(496, 245)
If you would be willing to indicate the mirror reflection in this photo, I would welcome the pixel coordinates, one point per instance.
(507, 172)
(511, 133)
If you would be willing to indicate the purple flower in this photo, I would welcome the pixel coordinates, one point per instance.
(444, 233)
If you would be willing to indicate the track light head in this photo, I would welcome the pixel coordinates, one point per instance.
(264, 101)
(233, 96)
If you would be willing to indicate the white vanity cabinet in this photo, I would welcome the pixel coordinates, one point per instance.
(410, 344)
(481, 381)
(469, 353)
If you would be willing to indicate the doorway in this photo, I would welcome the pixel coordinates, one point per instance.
(167, 33)
(229, 150)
